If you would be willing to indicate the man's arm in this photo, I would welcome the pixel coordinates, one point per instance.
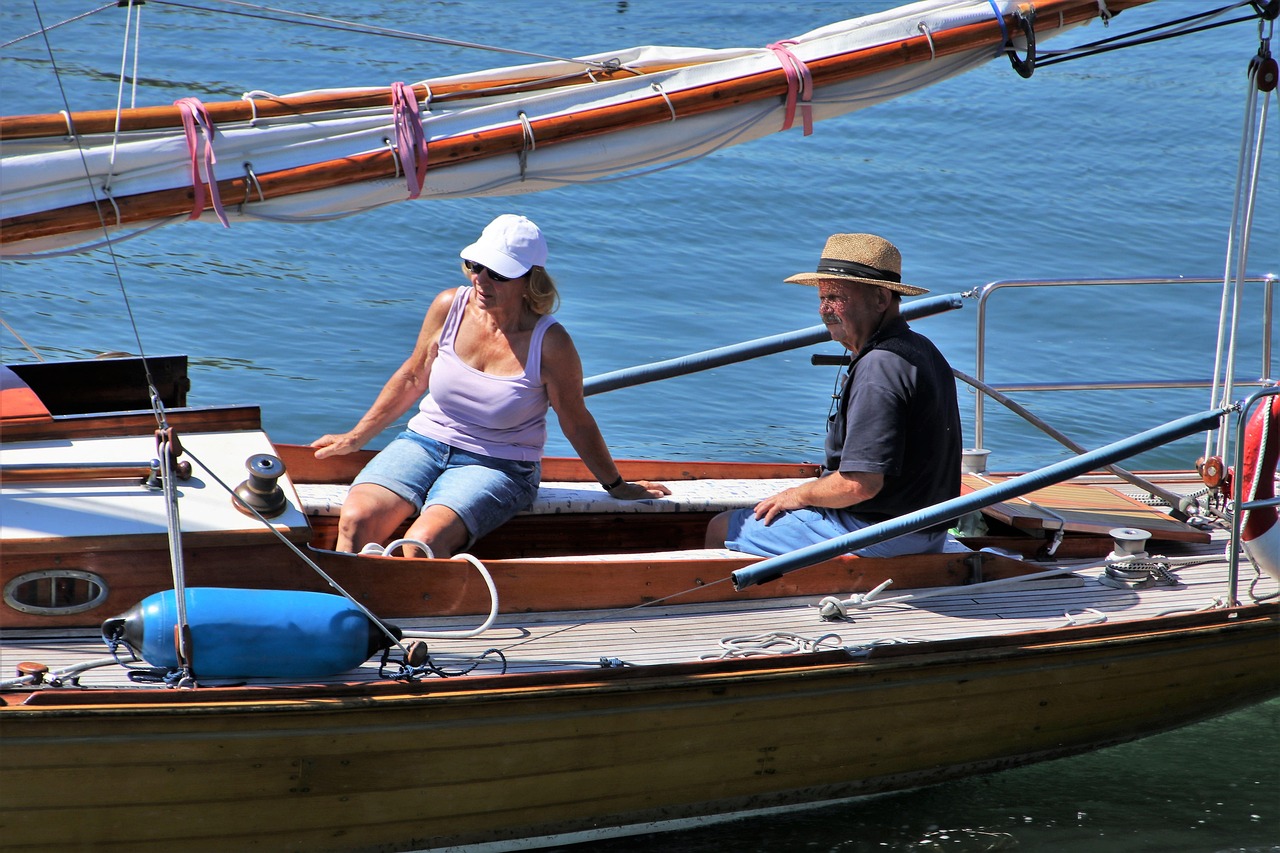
(835, 490)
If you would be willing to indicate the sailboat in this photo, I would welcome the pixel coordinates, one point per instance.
(589, 669)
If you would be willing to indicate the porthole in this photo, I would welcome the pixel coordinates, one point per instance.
(55, 592)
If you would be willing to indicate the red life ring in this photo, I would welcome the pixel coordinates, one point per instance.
(1260, 530)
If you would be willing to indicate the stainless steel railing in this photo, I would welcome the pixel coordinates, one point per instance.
(985, 293)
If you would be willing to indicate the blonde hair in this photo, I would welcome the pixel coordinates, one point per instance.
(540, 292)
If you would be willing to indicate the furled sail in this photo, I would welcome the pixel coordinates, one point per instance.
(499, 132)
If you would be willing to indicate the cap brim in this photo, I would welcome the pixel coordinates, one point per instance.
(500, 263)
(816, 278)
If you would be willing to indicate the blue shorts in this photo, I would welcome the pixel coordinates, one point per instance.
(798, 528)
(484, 491)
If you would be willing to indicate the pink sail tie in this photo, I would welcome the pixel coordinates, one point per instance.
(195, 115)
(799, 86)
(411, 142)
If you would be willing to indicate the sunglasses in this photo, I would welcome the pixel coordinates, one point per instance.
(476, 269)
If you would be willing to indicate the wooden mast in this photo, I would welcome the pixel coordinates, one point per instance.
(510, 139)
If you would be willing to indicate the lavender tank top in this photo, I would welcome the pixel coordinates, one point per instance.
(502, 416)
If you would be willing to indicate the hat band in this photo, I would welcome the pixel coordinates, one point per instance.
(835, 265)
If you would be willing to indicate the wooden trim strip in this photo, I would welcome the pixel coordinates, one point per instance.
(53, 473)
(213, 419)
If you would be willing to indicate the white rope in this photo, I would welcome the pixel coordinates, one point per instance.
(463, 634)
(867, 647)
(137, 50)
(1094, 617)
(253, 107)
(770, 643)
(832, 608)
(657, 87)
(106, 192)
(54, 678)
(395, 155)
(529, 144)
(400, 543)
(124, 58)
(923, 27)
(1218, 603)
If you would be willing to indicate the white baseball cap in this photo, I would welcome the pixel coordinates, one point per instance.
(509, 245)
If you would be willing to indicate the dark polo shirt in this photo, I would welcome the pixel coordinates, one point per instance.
(898, 417)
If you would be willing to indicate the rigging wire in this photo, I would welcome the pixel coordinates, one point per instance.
(324, 22)
(1132, 39)
(129, 19)
(21, 340)
(163, 446)
(1248, 172)
(45, 30)
(102, 221)
(611, 614)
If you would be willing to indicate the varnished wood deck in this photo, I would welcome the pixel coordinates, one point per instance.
(673, 633)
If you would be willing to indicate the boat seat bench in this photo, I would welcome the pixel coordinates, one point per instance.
(559, 498)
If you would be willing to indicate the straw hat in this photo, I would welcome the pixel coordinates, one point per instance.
(860, 257)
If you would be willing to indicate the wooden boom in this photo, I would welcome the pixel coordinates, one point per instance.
(653, 109)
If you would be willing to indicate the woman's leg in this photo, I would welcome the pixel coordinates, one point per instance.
(370, 513)
(472, 497)
(441, 529)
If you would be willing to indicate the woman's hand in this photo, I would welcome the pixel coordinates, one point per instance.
(638, 491)
(336, 445)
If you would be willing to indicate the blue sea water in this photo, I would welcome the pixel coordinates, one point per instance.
(1118, 165)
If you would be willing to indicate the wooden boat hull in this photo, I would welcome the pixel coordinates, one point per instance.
(392, 766)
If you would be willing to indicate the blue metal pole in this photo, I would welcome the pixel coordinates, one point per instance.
(775, 567)
(733, 353)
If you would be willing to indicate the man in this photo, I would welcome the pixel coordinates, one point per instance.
(893, 439)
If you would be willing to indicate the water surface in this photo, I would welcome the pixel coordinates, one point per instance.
(1119, 165)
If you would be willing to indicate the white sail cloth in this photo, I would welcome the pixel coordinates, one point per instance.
(46, 174)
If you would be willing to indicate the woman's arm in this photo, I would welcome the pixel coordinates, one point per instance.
(562, 372)
(405, 387)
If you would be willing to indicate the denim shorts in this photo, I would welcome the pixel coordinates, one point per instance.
(484, 491)
(798, 528)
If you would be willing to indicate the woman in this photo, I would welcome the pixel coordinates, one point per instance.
(494, 359)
